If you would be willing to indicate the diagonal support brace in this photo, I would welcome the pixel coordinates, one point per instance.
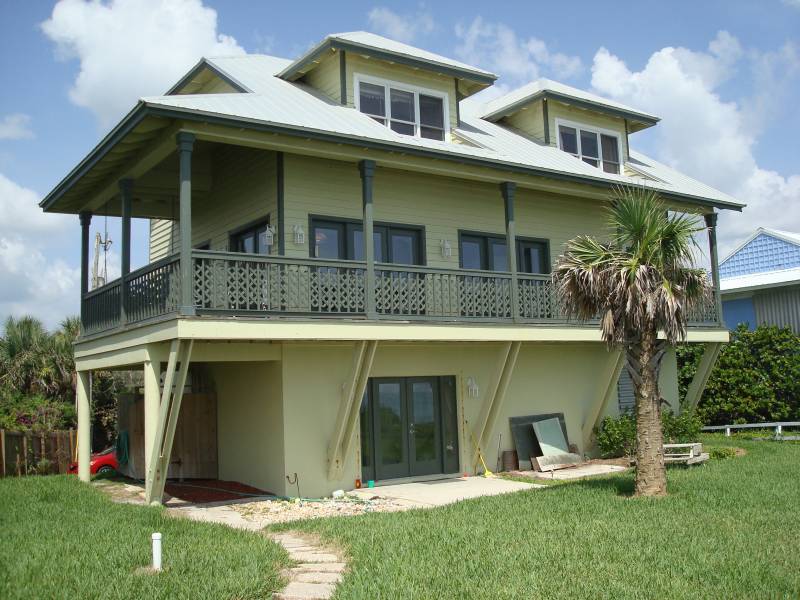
(486, 421)
(347, 418)
(700, 379)
(169, 411)
(606, 387)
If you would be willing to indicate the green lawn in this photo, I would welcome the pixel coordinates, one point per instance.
(62, 539)
(728, 530)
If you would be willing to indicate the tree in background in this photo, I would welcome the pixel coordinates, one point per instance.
(640, 283)
(756, 377)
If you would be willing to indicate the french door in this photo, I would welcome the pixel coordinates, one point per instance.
(409, 427)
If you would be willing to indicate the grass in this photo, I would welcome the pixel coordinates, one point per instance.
(63, 539)
(727, 530)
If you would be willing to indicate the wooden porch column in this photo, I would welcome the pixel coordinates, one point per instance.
(126, 192)
(86, 220)
(152, 397)
(711, 224)
(507, 188)
(84, 425)
(185, 146)
(367, 170)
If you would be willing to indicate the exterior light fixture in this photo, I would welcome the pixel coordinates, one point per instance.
(269, 236)
(299, 235)
(447, 250)
(472, 387)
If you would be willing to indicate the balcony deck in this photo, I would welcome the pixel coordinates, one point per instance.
(235, 284)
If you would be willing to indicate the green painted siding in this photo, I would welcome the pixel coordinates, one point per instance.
(529, 121)
(443, 205)
(325, 77)
(243, 190)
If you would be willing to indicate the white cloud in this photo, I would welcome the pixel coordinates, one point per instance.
(403, 28)
(792, 3)
(15, 127)
(30, 281)
(703, 135)
(20, 212)
(497, 47)
(132, 48)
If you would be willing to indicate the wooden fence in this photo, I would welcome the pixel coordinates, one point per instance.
(27, 453)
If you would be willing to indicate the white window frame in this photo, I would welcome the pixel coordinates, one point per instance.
(590, 129)
(389, 84)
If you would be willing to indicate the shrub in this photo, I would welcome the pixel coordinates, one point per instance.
(721, 452)
(756, 378)
(616, 436)
(34, 413)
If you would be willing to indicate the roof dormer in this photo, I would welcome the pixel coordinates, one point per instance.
(589, 127)
(410, 90)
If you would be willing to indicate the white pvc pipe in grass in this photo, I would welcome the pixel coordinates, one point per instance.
(156, 551)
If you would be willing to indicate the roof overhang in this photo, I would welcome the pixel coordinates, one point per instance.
(636, 120)
(478, 79)
(146, 119)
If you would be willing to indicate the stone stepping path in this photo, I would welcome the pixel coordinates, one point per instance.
(317, 572)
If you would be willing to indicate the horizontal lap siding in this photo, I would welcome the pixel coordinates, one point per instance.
(529, 121)
(326, 78)
(442, 205)
(357, 64)
(243, 190)
(160, 238)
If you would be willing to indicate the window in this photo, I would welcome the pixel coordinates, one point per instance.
(593, 147)
(488, 253)
(409, 111)
(344, 240)
(252, 239)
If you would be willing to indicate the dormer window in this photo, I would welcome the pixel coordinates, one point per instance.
(405, 109)
(595, 147)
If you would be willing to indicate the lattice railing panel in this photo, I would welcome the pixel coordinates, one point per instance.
(250, 283)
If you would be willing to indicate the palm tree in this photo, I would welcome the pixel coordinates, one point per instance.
(641, 283)
(22, 351)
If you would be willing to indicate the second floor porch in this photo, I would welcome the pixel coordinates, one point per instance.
(236, 285)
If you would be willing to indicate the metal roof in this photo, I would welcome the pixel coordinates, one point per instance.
(381, 47)
(754, 281)
(546, 88)
(275, 104)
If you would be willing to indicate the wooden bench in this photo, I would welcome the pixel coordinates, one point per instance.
(688, 454)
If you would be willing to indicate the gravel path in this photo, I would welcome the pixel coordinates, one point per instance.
(267, 512)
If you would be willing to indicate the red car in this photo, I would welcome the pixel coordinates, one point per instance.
(101, 463)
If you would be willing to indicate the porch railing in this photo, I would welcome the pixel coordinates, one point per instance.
(236, 283)
(149, 292)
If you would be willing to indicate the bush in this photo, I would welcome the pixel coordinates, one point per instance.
(756, 378)
(616, 436)
(721, 452)
(34, 413)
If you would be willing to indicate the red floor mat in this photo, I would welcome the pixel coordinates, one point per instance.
(200, 491)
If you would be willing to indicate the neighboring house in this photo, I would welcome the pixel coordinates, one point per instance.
(263, 176)
(760, 281)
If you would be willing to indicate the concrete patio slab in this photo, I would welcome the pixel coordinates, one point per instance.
(444, 491)
(578, 472)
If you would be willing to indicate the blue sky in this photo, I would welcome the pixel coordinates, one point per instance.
(723, 75)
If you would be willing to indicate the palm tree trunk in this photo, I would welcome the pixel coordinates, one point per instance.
(651, 478)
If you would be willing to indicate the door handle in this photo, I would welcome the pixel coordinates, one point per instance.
(411, 429)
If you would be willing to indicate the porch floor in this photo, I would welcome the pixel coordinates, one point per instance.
(443, 491)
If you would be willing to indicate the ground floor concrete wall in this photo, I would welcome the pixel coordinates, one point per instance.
(276, 419)
(250, 423)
